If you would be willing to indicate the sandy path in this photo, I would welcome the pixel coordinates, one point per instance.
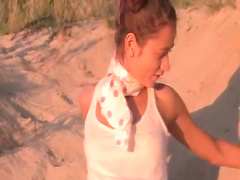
(41, 132)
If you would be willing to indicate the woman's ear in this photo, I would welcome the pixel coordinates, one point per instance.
(132, 49)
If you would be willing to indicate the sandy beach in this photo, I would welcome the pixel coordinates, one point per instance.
(41, 131)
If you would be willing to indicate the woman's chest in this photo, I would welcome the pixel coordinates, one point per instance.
(137, 105)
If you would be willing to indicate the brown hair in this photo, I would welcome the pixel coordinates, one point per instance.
(143, 18)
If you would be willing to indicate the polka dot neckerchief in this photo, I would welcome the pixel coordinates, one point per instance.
(116, 85)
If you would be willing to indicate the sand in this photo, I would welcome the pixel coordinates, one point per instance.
(41, 131)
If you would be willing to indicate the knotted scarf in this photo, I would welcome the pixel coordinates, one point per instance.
(117, 84)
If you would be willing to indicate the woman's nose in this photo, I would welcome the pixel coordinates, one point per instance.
(165, 66)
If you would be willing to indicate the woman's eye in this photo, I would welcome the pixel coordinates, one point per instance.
(163, 55)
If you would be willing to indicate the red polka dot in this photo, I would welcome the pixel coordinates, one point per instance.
(102, 99)
(112, 83)
(124, 90)
(109, 113)
(118, 142)
(121, 122)
(109, 74)
(115, 93)
(126, 141)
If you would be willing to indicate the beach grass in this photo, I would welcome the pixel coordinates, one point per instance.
(15, 15)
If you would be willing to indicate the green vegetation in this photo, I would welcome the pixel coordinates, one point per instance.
(16, 15)
(182, 3)
(216, 5)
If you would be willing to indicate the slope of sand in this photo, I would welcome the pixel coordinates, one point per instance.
(41, 132)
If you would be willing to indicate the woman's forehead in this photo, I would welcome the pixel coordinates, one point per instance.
(164, 38)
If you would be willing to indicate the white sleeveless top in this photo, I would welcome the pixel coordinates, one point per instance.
(147, 159)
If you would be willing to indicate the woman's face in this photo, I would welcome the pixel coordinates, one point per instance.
(150, 61)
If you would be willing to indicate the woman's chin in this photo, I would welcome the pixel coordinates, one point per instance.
(149, 84)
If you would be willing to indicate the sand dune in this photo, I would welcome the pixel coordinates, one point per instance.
(41, 132)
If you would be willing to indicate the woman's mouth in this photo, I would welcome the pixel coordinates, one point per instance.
(156, 76)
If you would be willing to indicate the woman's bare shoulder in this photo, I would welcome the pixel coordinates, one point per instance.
(85, 98)
(168, 101)
(164, 91)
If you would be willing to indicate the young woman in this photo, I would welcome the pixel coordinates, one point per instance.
(128, 116)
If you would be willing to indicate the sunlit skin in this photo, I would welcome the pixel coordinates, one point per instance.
(148, 63)
(151, 60)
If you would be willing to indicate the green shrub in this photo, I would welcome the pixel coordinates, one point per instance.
(216, 5)
(34, 14)
(182, 3)
(18, 14)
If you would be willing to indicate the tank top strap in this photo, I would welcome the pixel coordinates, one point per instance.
(151, 96)
(155, 112)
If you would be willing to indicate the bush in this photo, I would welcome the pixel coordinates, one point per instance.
(216, 5)
(182, 3)
(18, 14)
(34, 14)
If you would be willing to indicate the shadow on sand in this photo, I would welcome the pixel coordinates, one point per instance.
(219, 119)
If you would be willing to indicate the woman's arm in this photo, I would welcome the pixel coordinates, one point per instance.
(186, 131)
(85, 98)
